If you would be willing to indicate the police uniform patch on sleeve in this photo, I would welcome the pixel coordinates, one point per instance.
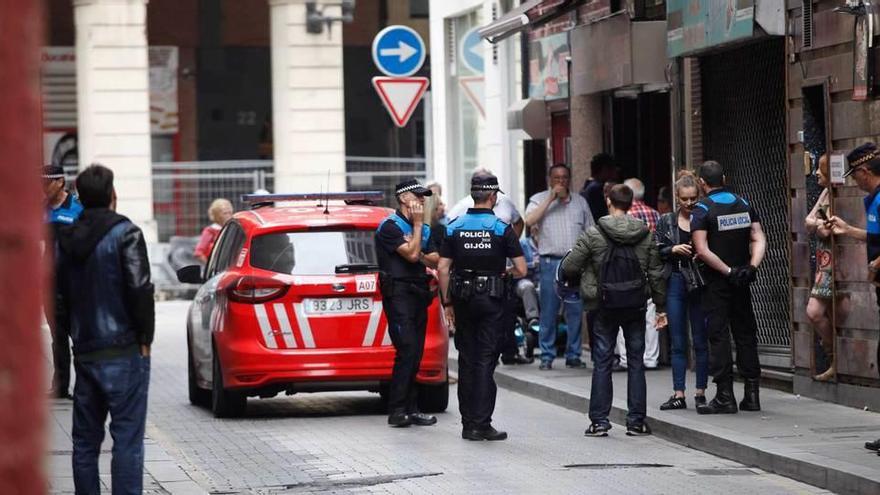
(734, 221)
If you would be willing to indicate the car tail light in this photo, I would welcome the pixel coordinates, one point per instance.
(252, 290)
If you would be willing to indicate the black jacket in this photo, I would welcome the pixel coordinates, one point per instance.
(666, 235)
(104, 283)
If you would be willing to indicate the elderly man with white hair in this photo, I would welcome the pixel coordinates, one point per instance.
(650, 216)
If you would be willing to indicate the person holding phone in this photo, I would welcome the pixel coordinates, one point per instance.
(683, 294)
(819, 305)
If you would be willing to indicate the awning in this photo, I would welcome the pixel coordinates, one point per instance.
(632, 56)
(518, 19)
(528, 119)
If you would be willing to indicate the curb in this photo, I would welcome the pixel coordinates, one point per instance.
(808, 468)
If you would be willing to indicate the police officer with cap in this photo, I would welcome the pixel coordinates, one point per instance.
(473, 284)
(62, 208)
(403, 249)
(728, 238)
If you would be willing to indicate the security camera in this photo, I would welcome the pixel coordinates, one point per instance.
(315, 19)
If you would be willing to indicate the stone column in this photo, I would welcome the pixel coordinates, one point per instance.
(308, 111)
(113, 100)
(586, 136)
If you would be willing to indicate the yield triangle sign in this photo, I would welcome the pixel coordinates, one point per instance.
(400, 95)
(475, 89)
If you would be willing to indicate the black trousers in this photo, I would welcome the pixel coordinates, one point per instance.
(729, 311)
(479, 323)
(60, 356)
(507, 341)
(406, 309)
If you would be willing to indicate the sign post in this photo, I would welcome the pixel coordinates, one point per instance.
(399, 52)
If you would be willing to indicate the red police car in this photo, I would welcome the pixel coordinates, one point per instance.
(290, 302)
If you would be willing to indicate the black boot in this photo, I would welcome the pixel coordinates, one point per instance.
(751, 400)
(723, 403)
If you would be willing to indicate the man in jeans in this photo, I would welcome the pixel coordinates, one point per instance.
(560, 217)
(106, 294)
(625, 234)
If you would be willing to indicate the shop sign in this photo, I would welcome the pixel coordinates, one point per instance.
(693, 25)
(548, 67)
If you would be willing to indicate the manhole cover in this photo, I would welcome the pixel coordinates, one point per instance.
(616, 466)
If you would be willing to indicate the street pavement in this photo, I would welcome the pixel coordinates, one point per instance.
(339, 443)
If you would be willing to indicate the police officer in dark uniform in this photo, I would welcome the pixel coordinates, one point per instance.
(62, 208)
(403, 249)
(474, 284)
(728, 238)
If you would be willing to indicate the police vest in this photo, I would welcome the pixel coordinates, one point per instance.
(407, 228)
(872, 218)
(394, 264)
(67, 213)
(729, 226)
(477, 240)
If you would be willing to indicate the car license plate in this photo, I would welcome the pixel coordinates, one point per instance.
(338, 305)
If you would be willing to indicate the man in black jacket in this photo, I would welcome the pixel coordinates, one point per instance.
(106, 296)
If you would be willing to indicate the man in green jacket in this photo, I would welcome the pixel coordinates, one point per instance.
(619, 268)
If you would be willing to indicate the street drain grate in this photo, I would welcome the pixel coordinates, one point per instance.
(616, 466)
(724, 472)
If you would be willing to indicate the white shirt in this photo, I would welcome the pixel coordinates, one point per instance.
(504, 209)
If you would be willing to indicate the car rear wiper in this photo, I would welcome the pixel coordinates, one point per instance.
(357, 268)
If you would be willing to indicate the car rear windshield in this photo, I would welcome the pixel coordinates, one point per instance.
(312, 253)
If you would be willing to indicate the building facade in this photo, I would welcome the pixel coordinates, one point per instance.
(764, 87)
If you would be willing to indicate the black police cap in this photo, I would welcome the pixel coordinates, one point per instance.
(485, 183)
(413, 186)
(862, 155)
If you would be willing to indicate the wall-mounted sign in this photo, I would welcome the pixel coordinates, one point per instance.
(694, 25)
(861, 61)
(548, 67)
(837, 167)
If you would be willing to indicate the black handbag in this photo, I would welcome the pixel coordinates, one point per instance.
(689, 269)
(693, 277)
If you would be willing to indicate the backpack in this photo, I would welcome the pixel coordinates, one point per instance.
(621, 279)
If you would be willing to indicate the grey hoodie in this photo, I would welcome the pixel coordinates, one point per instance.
(586, 258)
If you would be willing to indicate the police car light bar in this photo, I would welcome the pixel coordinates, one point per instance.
(345, 196)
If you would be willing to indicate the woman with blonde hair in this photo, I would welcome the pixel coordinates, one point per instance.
(683, 296)
(219, 212)
(819, 304)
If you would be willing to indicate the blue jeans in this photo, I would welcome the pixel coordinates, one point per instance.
(550, 309)
(117, 386)
(679, 306)
(602, 389)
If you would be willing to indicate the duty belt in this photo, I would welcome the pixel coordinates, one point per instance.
(468, 283)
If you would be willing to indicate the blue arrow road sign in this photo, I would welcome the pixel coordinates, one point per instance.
(398, 51)
(472, 50)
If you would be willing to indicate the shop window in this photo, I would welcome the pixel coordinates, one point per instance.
(418, 9)
(649, 10)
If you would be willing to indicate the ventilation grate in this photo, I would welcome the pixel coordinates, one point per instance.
(807, 24)
(451, 52)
